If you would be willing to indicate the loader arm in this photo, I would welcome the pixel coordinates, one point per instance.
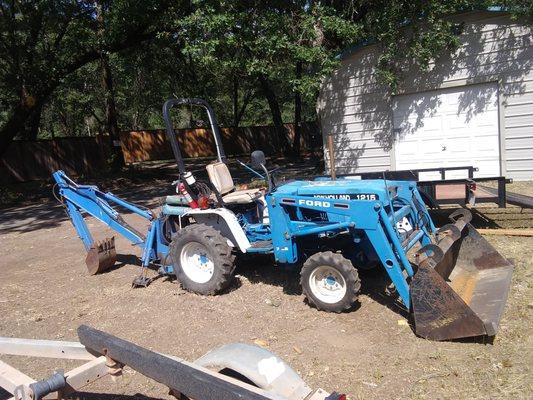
(455, 283)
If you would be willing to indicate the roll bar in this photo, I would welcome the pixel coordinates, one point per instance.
(171, 134)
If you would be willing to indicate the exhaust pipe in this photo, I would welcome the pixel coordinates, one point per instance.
(461, 284)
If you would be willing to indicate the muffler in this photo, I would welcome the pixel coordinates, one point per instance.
(101, 256)
(461, 285)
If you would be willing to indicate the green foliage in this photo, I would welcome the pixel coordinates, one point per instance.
(414, 33)
(221, 50)
(43, 43)
(253, 38)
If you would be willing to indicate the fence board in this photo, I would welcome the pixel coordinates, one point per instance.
(149, 145)
(36, 160)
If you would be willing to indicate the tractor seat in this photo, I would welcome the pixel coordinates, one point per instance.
(221, 179)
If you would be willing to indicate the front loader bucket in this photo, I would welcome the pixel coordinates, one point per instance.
(461, 286)
(101, 256)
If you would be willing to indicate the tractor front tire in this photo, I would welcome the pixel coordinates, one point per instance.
(330, 282)
(202, 258)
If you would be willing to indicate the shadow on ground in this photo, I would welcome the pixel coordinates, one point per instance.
(30, 218)
(145, 185)
(109, 396)
(262, 269)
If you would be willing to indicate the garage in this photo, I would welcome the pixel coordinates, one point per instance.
(448, 128)
(473, 107)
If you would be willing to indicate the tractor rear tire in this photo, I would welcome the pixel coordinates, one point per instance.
(202, 258)
(330, 282)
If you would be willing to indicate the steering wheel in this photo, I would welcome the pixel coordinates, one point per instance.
(271, 182)
(254, 172)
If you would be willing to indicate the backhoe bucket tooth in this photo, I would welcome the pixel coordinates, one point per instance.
(461, 285)
(101, 256)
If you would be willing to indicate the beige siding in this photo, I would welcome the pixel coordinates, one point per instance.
(355, 108)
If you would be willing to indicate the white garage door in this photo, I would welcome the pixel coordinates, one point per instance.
(448, 128)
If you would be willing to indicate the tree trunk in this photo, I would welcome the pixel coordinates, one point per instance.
(111, 120)
(235, 102)
(33, 122)
(24, 111)
(276, 114)
(14, 125)
(297, 114)
(111, 123)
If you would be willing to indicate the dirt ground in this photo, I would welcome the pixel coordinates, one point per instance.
(520, 187)
(369, 353)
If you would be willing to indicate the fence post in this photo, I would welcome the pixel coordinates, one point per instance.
(331, 158)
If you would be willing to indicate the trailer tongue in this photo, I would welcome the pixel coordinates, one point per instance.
(232, 372)
(462, 284)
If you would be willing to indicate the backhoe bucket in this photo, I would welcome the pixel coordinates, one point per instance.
(101, 256)
(462, 283)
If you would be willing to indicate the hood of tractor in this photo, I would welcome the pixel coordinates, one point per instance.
(350, 189)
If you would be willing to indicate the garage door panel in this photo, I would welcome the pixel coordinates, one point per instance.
(459, 127)
(456, 123)
(488, 121)
(457, 146)
(485, 144)
(431, 126)
(489, 167)
(431, 146)
(414, 147)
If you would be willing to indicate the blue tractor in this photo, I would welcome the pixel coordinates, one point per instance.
(452, 280)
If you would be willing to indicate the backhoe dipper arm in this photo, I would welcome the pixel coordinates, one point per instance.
(171, 134)
(79, 198)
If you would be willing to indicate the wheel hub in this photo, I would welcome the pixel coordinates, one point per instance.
(330, 281)
(196, 262)
(327, 284)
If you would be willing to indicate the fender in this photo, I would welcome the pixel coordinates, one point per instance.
(260, 366)
(225, 222)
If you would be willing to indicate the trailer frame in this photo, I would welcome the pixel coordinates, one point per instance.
(429, 187)
(107, 355)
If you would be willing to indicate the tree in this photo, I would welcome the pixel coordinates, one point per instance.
(412, 33)
(257, 62)
(43, 42)
(261, 42)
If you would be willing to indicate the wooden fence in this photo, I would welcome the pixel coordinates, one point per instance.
(36, 160)
(153, 145)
